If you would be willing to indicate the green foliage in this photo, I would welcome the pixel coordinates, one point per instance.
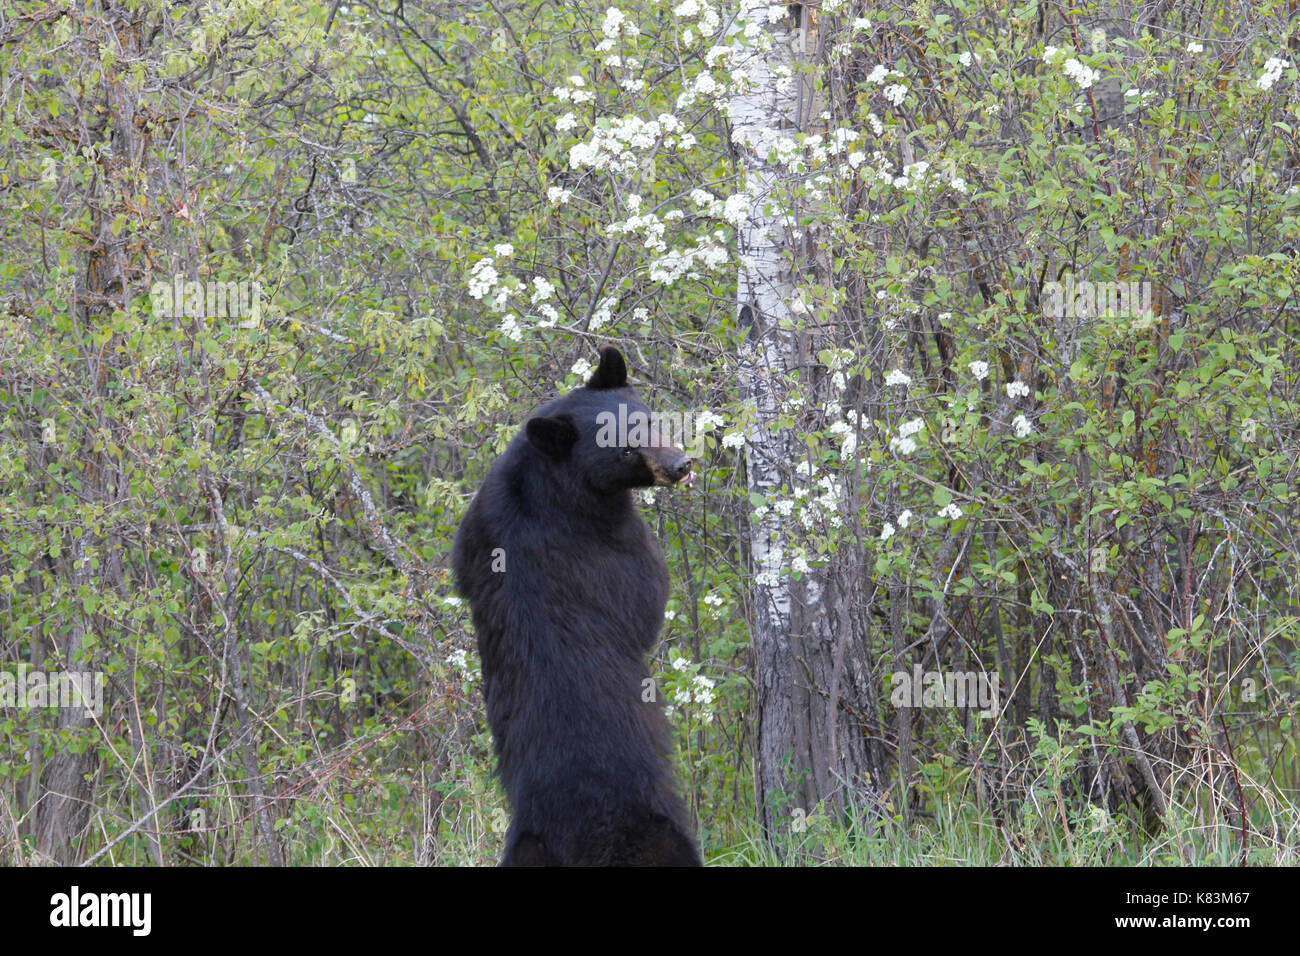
(243, 521)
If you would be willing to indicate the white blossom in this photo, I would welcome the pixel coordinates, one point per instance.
(1272, 73)
(707, 420)
(717, 53)
(604, 312)
(510, 328)
(1082, 75)
(482, 278)
(675, 264)
(616, 21)
(880, 73)
(542, 290)
(582, 154)
(914, 175)
(736, 209)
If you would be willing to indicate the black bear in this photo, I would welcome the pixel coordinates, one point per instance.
(567, 587)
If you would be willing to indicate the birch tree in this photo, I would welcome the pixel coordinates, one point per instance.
(812, 686)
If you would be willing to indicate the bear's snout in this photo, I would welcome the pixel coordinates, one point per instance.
(670, 466)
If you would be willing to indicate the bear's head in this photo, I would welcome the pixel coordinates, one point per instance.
(605, 433)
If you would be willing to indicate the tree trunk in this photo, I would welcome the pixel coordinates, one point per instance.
(813, 690)
(63, 808)
(61, 812)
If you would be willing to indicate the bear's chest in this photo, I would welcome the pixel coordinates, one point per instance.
(611, 590)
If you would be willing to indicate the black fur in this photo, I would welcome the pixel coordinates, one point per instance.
(564, 625)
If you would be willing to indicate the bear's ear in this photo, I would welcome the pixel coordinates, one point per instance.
(553, 437)
(612, 370)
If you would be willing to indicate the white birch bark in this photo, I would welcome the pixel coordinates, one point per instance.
(765, 288)
(806, 661)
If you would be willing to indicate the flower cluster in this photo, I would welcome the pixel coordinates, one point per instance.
(1272, 73)
(486, 282)
(694, 688)
(707, 18)
(1083, 76)
(709, 253)
(903, 443)
(614, 25)
(614, 147)
(917, 177)
(814, 505)
(482, 277)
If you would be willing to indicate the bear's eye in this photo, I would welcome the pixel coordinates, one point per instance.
(627, 453)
